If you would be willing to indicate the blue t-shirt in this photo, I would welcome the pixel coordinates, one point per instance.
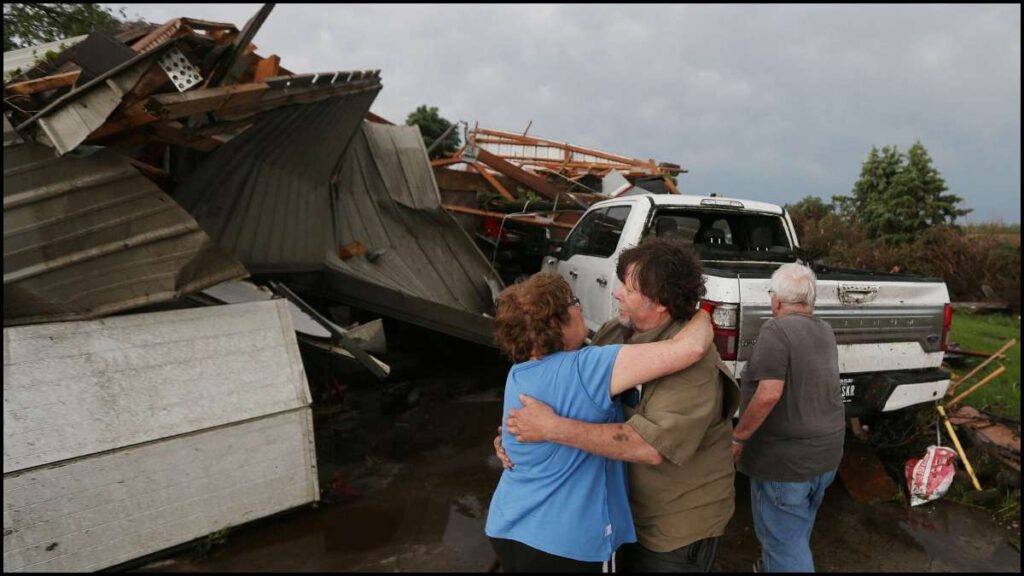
(558, 499)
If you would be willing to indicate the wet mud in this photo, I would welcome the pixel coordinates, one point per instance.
(406, 484)
(849, 536)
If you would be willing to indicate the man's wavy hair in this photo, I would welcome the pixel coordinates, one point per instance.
(668, 272)
(531, 315)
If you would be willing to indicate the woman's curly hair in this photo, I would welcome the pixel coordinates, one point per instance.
(531, 315)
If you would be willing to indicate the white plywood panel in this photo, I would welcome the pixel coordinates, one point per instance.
(102, 510)
(78, 388)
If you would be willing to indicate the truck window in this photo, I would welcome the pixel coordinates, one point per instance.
(597, 234)
(609, 230)
(727, 236)
(675, 227)
(717, 233)
(580, 240)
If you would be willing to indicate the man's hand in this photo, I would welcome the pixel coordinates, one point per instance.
(737, 450)
(499, 451)
(533, 422)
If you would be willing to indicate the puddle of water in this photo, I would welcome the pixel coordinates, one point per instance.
(424, 513)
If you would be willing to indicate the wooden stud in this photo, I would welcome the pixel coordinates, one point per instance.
(959, 448)
(43, 84)
(984, 381)
(492, 180)
(1005, 347)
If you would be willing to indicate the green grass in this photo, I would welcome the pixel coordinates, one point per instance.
(992, 228)
(987, 333)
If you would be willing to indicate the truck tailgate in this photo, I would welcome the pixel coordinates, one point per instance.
(881, 322)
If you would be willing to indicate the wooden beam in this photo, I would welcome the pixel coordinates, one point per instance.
(43, 84)
(267, 68)
(530, 180)
(175, 133)
(174, 106)
(445, 161)
(492, 180)
(531, 219)
(153, 81)
(370, 116)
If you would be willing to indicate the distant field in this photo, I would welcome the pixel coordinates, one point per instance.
(987, 333)
(993, 228)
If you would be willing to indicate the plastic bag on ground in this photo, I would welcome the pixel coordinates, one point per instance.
(928, 478)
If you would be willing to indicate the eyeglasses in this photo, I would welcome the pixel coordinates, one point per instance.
(575, 301)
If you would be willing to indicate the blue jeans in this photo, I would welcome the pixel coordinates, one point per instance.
(783, 518)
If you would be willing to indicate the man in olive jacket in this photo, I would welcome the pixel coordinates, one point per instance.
(678, 428)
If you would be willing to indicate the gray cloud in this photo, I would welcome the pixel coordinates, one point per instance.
(772, 103)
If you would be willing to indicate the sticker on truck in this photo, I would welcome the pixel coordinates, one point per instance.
(848, 388)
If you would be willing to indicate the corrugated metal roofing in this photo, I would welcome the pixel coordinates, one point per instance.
(430, 273)
(265, 195)
(287, 193)
(25, 58)
(86, 237)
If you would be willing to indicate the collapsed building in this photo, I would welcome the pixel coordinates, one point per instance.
(154, 171)
(164, 189)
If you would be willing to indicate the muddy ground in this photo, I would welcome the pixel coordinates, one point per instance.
(407, 469)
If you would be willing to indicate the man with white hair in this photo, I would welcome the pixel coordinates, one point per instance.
(789, 439)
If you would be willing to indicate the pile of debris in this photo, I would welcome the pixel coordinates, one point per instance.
(520, 195)
(146, 175)
(192, 160)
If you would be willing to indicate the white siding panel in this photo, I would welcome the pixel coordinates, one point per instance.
(78, 388)
(105, 509)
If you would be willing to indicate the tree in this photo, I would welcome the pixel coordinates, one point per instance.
(31, 24)
(432, 126)
(922, 182)
(820, 229)
(898, 196)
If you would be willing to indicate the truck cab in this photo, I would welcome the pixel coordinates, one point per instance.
(891, 328)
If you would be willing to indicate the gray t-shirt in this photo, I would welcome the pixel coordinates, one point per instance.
(802, 437)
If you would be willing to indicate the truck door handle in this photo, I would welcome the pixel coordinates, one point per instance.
(602, 281)
(857, 293)
(573, 274)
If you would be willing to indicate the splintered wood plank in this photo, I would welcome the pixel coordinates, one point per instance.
(43, 84)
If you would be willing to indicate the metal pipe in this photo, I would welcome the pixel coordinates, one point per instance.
(497, 240)
(440, 139)
(344, 339)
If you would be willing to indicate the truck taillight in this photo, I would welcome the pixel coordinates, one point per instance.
(725, 320)
(947, 324)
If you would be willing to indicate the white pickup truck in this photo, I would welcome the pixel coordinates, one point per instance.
(891, 328)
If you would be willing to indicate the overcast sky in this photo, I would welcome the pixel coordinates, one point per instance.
(772, 103)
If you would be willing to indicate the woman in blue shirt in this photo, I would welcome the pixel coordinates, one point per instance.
(562, 509)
